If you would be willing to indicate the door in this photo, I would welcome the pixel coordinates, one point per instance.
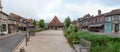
(108, 28)
(116, 27)
(55, 27)
(9, 29)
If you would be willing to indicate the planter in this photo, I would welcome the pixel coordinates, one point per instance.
(82, 44)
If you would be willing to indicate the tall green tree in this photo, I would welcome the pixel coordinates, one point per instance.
(41, 23)
(67, 22)
(34, 23)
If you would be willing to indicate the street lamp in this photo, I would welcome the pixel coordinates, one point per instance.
(27, 34)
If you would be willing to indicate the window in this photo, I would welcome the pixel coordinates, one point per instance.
(94, 21)
(98, 19)
(2, 16)
(91, 21)
(115, 17)
(119, 17)
(3, 27)
(101, 19)
(20, 20)
(109, 19)
(106, 19)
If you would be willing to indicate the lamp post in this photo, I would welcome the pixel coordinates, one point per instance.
(27, 34)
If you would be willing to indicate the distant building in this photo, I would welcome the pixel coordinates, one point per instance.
(17, 21)
(97, 23)
(75, 22)
(4, 22)
(112, 22)
(20, 22)
(29, 25)
(80, 23)
(55, 24)
(84, 22)
(12, 26)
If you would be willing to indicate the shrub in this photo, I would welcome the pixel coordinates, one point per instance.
(100, 43)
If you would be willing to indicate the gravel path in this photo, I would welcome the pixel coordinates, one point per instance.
(48, 41)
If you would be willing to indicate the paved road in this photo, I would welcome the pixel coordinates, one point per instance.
(48, 41)
(8, 44)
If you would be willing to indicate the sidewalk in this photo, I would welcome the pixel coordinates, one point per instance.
(7, 35)
(46, 41)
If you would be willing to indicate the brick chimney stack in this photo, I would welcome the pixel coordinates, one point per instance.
(99, 12)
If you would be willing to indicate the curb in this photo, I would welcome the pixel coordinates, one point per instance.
(17, 47)
(5, 36)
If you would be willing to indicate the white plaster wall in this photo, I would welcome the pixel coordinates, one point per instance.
(113, 27)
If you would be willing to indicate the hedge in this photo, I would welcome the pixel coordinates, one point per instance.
(100, 43)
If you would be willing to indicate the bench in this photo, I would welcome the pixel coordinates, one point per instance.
(82, 45)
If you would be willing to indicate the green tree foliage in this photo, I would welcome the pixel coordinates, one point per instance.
(34, 23)
(100, 42)
(67, 22)
(74, 28)
(41, 23)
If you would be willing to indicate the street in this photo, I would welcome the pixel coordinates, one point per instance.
(47, 41)
(8, 44)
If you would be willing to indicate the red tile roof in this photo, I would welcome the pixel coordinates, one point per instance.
(75, 22)
(16, 16)
(55, 22)
(29, 20)
(114, 12)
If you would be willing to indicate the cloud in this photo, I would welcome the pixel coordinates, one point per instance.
(47, 9)
(109, 2)
(88, 8)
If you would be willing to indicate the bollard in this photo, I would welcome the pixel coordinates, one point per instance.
(26, 39)
(22, 49)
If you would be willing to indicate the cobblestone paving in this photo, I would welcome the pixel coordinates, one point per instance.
(48, 41)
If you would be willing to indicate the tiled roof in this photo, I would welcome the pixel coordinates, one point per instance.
(4, 13)
(87, 16)
(29, 20)
(55, 22)
(15, 16)
(74, 22)
(114, 12)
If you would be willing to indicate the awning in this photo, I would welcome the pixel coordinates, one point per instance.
(96, 25)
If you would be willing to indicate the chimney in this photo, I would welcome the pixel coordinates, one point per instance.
(99, 12)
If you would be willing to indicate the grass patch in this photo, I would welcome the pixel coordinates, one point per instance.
(100, 43)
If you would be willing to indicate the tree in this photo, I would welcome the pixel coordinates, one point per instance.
(41, 23)
(73, 28)
(34, 23)
(67, 22)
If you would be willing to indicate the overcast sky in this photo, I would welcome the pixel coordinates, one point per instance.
(47, 9)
